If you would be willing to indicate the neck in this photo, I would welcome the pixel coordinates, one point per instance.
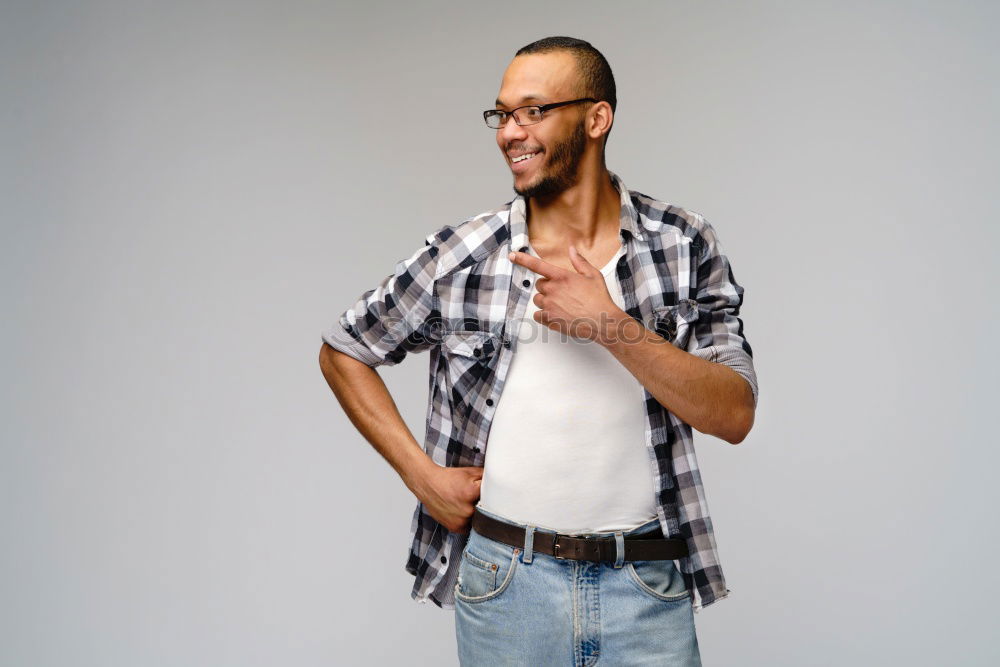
(581, 214)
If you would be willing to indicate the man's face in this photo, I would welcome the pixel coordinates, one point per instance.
(556, 144)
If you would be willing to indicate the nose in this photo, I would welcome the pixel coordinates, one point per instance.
(511, 131)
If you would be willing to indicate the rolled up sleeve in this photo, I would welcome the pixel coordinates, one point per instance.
(392, 319)
(718, 334)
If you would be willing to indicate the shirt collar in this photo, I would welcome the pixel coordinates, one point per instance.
(628, 218)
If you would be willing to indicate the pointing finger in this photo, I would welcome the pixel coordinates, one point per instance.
(536, 264)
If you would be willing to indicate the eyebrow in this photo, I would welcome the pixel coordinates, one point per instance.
(526, 98)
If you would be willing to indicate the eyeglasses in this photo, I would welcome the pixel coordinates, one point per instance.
(526, 115)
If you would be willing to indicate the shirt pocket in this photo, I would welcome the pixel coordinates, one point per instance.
(468, 358)
(677, 322)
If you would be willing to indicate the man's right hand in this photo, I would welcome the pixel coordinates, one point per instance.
(449, 494)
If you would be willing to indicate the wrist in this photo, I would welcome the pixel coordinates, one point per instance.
(418, 472)
(616, 326)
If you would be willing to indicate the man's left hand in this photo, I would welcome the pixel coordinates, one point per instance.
(576, 303)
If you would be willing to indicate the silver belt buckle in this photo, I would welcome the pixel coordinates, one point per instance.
(555, 549)
(555, 544)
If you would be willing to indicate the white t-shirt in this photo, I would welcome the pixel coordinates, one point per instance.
(566, 449)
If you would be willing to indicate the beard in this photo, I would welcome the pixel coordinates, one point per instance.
(561, 172)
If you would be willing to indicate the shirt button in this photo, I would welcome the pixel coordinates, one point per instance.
(524, 248)
(443, 559)
(475, 449)
(526, 282)
(506, 344)
(489, 401)
(477, 352)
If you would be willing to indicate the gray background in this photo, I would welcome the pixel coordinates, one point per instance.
(192, 192)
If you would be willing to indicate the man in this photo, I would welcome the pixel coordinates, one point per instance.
(559, 544)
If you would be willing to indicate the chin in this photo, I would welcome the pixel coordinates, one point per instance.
(544, 186)
(537, 186)
(528, 190)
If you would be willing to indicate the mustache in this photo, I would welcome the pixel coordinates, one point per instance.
(514, 146)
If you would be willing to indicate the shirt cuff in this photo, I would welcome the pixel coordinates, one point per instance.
(339, 337)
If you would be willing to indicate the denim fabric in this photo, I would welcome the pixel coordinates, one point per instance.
(514, 606)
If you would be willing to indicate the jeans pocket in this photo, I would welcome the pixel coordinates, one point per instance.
(485, 570)
(659, 579)
(476, 577)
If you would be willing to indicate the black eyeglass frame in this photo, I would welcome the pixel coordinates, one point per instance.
(542, 108)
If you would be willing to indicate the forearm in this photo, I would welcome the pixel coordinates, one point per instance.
(447, 493)
(370, 407)
(709, 396)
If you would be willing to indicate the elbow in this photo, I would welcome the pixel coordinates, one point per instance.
(740, 424)
(742, 414)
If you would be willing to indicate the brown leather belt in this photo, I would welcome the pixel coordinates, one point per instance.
(645, 546)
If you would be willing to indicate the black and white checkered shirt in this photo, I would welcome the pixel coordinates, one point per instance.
(460, 297)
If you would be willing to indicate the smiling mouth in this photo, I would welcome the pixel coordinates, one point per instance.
(522, 158)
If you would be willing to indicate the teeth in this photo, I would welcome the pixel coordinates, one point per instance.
(523, 157)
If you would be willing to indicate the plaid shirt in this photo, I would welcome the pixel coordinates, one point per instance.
(460, 296)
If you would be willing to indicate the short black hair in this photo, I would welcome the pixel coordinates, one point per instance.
(595, 72)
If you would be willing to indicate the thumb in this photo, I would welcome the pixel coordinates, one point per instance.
(580, 262)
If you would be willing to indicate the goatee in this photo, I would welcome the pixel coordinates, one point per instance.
(562, 168)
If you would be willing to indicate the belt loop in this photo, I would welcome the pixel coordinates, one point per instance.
(619, 549)
(529, 543)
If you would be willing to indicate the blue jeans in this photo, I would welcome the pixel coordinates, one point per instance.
(514, 606)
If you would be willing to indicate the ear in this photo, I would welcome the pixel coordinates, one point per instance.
(599, 120)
